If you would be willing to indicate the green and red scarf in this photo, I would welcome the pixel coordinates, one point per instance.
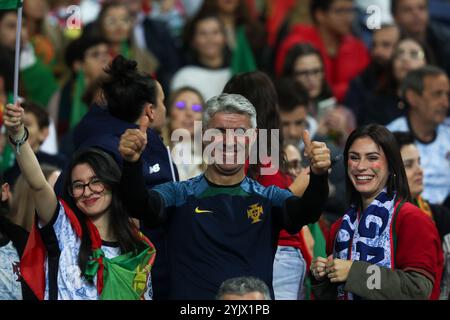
(124, 277)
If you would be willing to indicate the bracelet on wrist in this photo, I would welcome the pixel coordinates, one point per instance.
(18, 143)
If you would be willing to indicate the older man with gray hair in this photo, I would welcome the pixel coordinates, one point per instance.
(426, 93)
(221, 224)
(243, 288)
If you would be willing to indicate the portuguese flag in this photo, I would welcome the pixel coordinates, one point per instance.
(10, 4)
(124, 277)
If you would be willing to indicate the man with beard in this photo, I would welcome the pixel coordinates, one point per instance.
(222, 224)
(363, 87)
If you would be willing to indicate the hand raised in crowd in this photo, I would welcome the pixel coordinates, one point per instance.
(300, 183)
(338, 269)
(317, 153)
(13, 120)
(133, 141)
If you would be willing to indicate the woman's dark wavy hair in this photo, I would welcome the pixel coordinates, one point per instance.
(301, 50)
(189, 32)
(127, 90)
(107, 171)
(242, 12)
(258, 88)
(384, 139)
(103, 11)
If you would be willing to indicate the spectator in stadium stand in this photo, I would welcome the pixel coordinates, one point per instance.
(185, 109)
(304, 64)
(331, 35)
(384, 41)
(385, 103)
(207, 57)
(413, 18)
(440, 214)
(291, 251)
(33, 72)
(127, 94)
(243, 288)
(70, 253)
(426, 94)
(86, 58)
(222, 224)
(403, 245)
(152, 35)
(114, 23)
(245, 35)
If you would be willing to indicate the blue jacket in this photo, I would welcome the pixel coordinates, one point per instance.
(99, 129)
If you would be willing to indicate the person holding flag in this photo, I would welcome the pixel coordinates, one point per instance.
(221, 224)
(94, 250)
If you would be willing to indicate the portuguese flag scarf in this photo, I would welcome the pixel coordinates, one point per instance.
(124, 277)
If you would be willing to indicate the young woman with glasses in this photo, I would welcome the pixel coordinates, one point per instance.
(304, 64)
(94, 251)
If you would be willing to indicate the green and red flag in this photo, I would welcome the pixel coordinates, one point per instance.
(10, 4)
(124, 277)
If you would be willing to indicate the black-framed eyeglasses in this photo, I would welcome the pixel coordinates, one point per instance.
(78, 188)
(308, 73)
(181, 105)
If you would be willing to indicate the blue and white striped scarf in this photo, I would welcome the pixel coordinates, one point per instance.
(367, 236)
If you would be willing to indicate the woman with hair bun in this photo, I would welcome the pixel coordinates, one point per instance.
(130, 96)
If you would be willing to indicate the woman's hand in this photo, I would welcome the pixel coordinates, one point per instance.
(318, 268)
(337, 270)
(13, 120)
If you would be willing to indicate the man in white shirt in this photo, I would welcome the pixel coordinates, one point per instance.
(426, 94)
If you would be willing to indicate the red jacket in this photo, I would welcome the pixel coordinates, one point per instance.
(351, 59)
(418, 245)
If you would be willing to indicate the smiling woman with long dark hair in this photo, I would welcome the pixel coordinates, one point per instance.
(94, 251)
(380, 231)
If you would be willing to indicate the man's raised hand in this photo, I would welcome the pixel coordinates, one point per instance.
(133, 141)
(317, 153)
